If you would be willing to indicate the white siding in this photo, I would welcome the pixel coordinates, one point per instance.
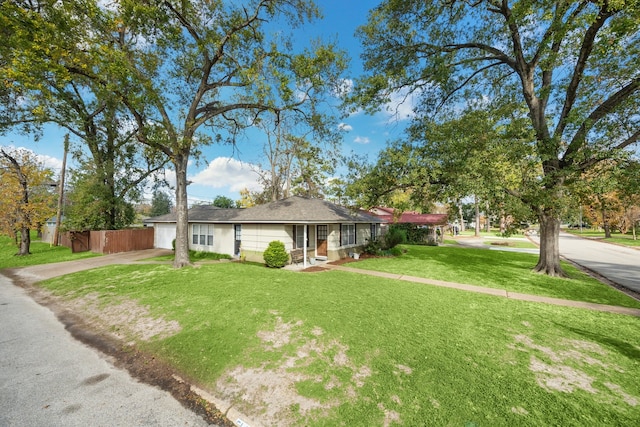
(222, 239)
(256, 237)
(363, 234)
(334, 237)
(164, 235)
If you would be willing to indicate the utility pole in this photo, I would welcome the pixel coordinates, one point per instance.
(56, 232)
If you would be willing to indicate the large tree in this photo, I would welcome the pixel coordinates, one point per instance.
(27, 198)
(298, 158)
(112, 168)
(574, 65)
(191, 72)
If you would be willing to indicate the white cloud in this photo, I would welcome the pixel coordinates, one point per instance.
(46, 160)
(170, 176)
(362, 140)
(401, 104)
(344, 88)
(50, 162)
(226, 172)
(345, 127)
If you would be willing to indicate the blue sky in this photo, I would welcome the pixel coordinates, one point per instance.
(228, 170)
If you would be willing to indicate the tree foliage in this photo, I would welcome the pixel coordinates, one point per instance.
(609, 195)
(38, 69)
(299, 159)
(188, 73)
(160, 203)
(92, 204)
(27, 200)
(224, 202)
(574, 67)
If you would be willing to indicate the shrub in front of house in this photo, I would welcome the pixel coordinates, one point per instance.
(275, 256)
(393, 238)
(373, 247)
(201, 256)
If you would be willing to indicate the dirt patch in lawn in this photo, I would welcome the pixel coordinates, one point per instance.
(126, 319)
(270, 392)
(563, 368)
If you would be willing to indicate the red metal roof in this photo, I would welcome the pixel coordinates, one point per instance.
(412, 217)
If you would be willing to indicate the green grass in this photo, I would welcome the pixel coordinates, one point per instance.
(618, 238)
(422, 355)
(194, 256)
(496, 269)
(509, 243)
(41, 253)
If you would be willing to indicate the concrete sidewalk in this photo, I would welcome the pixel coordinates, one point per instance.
(491, 291)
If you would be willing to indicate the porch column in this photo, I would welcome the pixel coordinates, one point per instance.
(304, 247)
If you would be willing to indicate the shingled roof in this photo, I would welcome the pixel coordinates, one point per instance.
(295, 209)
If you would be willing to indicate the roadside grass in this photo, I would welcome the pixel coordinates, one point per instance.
(337, 348)
(618, 238)
(510, 243)
(496, 269)
(41, 253)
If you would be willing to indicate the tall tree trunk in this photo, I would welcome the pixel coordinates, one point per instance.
(549, 260)
(182, 220)
(25, 241)
(477, 206)
(605, 224)
(487, 218)
(460, 216)
(25, 220)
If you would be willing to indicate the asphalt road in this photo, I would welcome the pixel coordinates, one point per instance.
(619, 264)
(47, 378)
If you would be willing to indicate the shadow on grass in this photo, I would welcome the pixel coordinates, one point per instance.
(622, 347)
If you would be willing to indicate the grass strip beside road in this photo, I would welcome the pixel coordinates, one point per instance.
(41, 253)
(510, 271)
(337, 348)
(617, 238)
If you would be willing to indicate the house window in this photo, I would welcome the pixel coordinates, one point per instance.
(202, 234)
(323, 232)
(298, 236)
(347, 234)
(374, 232)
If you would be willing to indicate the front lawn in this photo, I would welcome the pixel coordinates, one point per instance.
(41, 253)
(509, 243)
(336, 348)
(496, 269)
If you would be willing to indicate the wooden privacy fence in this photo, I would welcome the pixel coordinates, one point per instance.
(109, 241)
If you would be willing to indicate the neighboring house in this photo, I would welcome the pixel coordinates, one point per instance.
(433, 222)
(321, 229)
(391, 215)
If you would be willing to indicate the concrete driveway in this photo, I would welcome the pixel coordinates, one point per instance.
(47, 378)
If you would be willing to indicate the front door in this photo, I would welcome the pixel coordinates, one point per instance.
(237, 231)
(321, 240)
